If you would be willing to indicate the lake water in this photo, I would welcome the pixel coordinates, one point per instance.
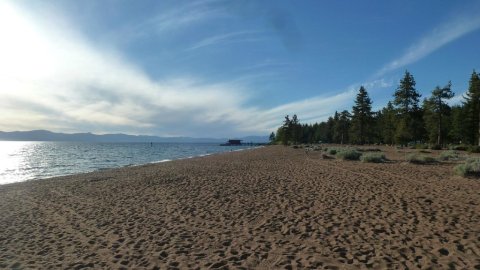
(20, 161)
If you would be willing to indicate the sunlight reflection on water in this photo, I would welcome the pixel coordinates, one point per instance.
(13, 161)
(20, 161)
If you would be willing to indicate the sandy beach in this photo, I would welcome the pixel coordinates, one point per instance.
(268, 208)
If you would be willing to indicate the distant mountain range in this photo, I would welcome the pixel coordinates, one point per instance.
(45, 135)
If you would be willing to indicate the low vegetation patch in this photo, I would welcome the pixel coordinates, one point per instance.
(373, 157)
(369, 150)
(460, 147)
(436, 147)
(348, 154)
(471, 167)
(419, 146)
(474, 149)
(448, 155)
(420, 159)
(331, 151)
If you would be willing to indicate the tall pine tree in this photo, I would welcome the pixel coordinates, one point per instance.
(436, 110)
(410, 115)
(295, 129)
(342, 126)
(387, 121)
(472, 106)
(362, 120)
(286, 130)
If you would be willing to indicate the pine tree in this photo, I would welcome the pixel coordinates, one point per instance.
(387, 123)
(459, 124)
(286, 130)
(435, 111)
(342, 125)
(472, 104)
(362, 120)
(406, 100)
(329, 134)
(336, 132)
(272, 137)
(295, 129)
(406, 96)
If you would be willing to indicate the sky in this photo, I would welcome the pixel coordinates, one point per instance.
(214, 68)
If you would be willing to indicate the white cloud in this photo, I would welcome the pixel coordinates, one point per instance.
(53, 79)
(459, 26)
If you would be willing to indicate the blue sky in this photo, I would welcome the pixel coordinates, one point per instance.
(220, 68)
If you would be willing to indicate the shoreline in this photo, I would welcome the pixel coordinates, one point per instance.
(273, 207)
(129, 166)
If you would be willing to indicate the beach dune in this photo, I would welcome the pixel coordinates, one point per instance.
(268, 208)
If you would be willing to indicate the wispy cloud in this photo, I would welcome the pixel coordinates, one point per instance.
(185, 15)
(172, 20)
(235, 37)
(439, 37)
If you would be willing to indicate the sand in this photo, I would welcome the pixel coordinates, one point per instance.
(269, 208)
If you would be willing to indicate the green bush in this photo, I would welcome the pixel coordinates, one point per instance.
(373, 157)
(471, 167)
(348, 154)
(448, 155)
(420, 159)
(331, 151)
(474, 149)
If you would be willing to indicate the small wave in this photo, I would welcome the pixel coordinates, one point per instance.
(161, 161)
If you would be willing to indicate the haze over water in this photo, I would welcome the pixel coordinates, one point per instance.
(21, 161)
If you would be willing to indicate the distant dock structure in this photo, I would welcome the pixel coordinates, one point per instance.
(232, 143)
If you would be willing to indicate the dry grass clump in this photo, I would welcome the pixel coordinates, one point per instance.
(420, 159)
(331, 151)
(348, 154)
(373, 157)
(459, 147)
(471, 167)
(448, 155)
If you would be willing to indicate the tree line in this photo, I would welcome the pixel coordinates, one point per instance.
(404, 120)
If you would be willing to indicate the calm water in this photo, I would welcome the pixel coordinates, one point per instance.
(20, 161)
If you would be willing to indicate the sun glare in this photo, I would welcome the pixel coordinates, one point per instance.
(24, 52)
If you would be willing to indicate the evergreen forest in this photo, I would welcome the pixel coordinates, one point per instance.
(405, 120)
